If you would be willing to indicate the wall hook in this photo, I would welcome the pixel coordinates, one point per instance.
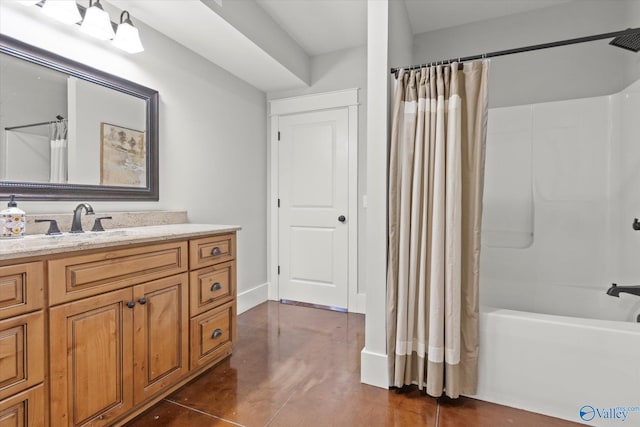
(636, 224)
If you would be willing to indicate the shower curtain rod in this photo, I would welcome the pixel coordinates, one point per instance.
(60, 118)
(614, 34)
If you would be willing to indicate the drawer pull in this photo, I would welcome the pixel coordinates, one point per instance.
(131, 304)
(215, 251)
(216, 286)
(142, 300)
(217, 333)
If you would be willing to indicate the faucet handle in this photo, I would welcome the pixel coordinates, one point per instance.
(97, 225)
(53, 226)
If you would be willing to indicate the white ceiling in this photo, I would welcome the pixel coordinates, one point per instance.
(430, 15)
(322, 26)
(313, 27)
(195, 26)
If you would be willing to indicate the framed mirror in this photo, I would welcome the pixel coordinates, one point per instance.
(71, 132)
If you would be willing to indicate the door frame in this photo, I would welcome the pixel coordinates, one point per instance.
(347, 99)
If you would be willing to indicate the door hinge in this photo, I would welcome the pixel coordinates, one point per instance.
(278, 135)
(278, 202)
(278, 269)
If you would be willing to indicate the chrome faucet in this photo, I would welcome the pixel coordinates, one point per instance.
(616, 290)
(76, 225)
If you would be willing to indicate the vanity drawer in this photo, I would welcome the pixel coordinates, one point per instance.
(212, 286)
(212, 250)
(21, 353)
(24, 409)
(21, 288)
(87, 275)
(212, 334)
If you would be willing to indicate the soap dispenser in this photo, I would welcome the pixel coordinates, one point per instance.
(12, 220)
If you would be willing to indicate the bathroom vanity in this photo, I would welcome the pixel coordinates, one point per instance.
(95, 328)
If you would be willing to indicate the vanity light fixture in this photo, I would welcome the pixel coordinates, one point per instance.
(93, 21)
(96, 21)
(127, 37)
(65, 11)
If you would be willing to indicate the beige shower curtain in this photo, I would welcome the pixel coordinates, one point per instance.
(435, 207)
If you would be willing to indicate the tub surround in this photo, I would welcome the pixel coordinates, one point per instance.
(139, 310)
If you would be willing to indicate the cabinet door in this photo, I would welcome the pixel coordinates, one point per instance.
(92, 384)
(25, 409)
(212, 334)
(21, 350)
(212, 286)
(21, 288)
(160, 335)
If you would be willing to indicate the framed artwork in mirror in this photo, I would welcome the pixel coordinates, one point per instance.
(122, 156)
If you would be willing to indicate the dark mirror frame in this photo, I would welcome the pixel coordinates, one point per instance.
(45, 191)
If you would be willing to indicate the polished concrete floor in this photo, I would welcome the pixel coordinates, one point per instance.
(298, 366)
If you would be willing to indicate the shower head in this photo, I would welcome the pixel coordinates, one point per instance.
(629, 41)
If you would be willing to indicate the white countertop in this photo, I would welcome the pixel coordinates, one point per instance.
(37, 245)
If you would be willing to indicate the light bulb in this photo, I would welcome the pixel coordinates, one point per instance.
(62, 10)
(97, 23)
(127, 37)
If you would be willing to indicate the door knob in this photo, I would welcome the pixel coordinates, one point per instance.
(342, 218)
(142, 300)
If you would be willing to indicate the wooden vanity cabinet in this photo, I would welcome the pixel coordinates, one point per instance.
(122, 326)
(22, 345)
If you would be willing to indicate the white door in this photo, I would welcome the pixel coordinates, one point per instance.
(313, 218)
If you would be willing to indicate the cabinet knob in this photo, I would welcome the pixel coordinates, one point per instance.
(142, 301)
(216, 333)
(216, 251)
(216, 286)
(131, 304)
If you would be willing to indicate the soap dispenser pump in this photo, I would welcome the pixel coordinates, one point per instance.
(12, 220)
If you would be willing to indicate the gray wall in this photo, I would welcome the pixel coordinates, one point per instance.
(584, 70)
(212, 131)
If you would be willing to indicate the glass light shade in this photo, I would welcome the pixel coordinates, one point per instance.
(63, 10)
(97, 23)
(127, 38)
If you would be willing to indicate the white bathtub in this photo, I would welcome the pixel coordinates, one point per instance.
(560, 197)
(560, 366)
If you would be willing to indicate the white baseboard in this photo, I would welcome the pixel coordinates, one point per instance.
(252, 297)
(374, 369)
